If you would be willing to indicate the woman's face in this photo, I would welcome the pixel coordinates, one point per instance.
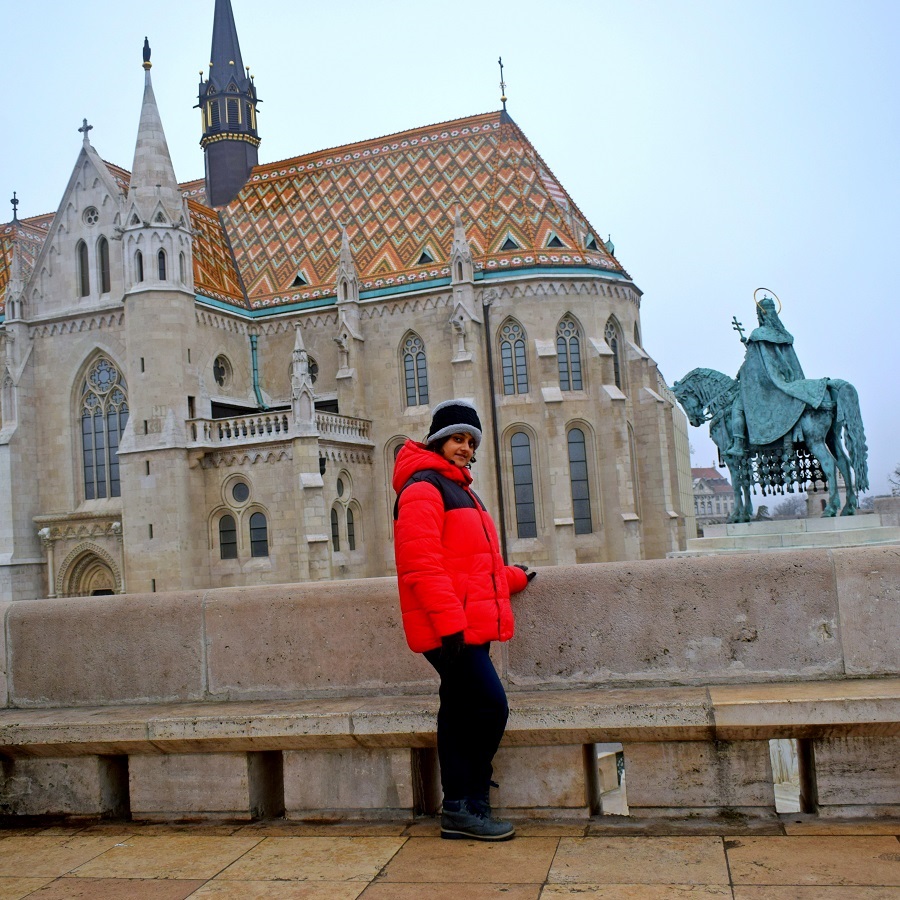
(459, 449)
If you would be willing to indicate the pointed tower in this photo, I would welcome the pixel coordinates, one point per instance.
(462, 267)
(162, 381)
(348, 338)
(156, 233)
(227, 101)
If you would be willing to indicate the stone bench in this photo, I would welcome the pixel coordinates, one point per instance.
(688, 751)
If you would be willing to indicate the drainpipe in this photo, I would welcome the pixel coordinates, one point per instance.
(487, 298)
(254, 360)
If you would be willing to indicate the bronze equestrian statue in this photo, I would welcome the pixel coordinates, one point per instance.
(773, 426)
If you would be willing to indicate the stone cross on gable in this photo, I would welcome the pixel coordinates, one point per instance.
(85, 128)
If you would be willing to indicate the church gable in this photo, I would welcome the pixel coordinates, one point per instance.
(76, 265)
(396, 195)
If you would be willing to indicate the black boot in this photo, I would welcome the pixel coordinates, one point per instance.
(467, 818)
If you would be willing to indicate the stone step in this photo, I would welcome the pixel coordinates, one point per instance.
(810, 540)
(791, 526)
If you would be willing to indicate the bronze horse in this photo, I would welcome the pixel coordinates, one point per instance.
(833, 434)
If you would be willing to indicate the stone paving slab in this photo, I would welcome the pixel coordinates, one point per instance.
(408, 861)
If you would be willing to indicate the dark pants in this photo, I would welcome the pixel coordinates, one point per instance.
(471, 720)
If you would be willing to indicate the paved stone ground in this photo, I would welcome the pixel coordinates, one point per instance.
(796, 858)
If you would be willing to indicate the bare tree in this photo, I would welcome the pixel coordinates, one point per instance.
(894, 479)
(790, 508)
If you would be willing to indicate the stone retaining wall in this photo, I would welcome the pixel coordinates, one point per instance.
(826, 624)
(814, 615)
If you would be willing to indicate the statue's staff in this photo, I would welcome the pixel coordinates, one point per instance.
(736, 326)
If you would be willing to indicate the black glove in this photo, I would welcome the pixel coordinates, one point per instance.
(452, 646)
(528, 574)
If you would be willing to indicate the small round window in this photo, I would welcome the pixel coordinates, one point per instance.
(340, 487)
(240, 491)
(91, 216)
(222, 371)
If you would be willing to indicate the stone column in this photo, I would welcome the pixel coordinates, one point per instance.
(46, 539)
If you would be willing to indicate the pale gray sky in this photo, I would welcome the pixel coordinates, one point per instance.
(723, 145)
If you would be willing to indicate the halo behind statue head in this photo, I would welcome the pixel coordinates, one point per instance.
(768, 292)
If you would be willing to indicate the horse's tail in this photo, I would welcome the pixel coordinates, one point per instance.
(849, 420)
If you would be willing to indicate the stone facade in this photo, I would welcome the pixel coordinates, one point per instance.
(713, 497)
(255, 437)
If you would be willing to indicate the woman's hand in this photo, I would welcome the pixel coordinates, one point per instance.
(452, 646)
(528, 573)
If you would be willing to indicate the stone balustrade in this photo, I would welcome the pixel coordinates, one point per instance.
(303, 699)
(333, 427)
(274, 426)
(240, 429)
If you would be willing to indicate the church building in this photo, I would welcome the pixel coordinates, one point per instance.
(205, 383)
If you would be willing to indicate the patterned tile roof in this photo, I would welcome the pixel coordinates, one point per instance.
(396, 195)
(29, 234)
(214, 272)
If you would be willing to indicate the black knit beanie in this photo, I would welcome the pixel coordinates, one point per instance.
(454, 417)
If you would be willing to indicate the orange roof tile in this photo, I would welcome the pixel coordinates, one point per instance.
(396, 195)
(29, 234)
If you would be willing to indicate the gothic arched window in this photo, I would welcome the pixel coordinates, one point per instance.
(513, 364)
(104, 412)
(523, 485)
(578, 478)
(415, 371)
(335, 531)
(103, 264)
(138, 266)
(227, 538)
(161, 265)
(611, 336)
(84, 273)
(351, 530)
(259, 535)
(568, 355)
(182, 269)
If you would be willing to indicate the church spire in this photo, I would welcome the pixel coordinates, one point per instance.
(227, 100)
(153, 179)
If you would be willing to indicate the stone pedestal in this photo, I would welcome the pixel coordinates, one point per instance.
(82, 786)
(864, 529)
(348, 784)
(212, 785)
(544, 782)
(700, 778)
(857, 776)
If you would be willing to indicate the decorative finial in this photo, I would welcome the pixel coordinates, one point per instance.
(147, 64)
(85, 128)
(502, 84)
(15, 205)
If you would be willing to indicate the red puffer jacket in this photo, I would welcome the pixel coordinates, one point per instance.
(449, 569)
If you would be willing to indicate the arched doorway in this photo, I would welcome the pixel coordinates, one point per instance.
(89, 572)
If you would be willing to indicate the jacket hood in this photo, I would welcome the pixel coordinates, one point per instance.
(414, 457)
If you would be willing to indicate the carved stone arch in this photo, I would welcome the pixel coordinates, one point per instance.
(98, 351)
(89, 570)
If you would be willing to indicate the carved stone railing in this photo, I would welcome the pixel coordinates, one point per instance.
(274, 426)
(333, 427)
(240, 429)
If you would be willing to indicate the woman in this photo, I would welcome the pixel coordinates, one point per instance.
(454, 597)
